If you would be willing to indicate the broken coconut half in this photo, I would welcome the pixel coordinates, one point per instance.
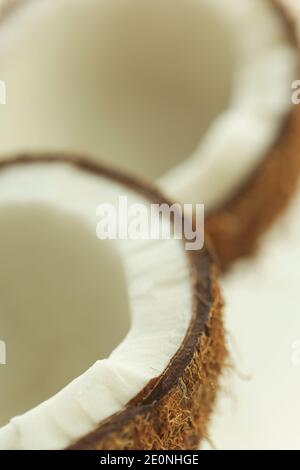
(138, 322)
(195, 94)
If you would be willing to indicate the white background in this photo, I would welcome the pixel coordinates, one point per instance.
(259, 406)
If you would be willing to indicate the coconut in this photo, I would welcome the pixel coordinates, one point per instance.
(194, 94)
(113, 343)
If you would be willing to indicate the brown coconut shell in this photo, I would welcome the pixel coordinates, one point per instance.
(236, 228)
(173, 410)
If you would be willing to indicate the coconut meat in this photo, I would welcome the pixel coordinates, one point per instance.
(241, 136)
(87, 322)
(186, 92)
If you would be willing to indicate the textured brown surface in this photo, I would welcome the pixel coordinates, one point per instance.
(172, 411)
(237, 227)
(177, 419)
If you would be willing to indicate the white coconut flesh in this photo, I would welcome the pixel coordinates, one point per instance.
(87, 323)
(186, 92)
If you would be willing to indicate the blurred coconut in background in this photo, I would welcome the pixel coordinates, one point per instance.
(194, 95)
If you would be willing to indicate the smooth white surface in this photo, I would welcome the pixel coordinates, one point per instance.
(192, 93)
(120, 79)
(259, 407)
(160, 308)
(63, 302)
(239, 138)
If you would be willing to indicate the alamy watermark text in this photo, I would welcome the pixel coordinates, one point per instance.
(2, 353)
(2, 92)
(296, 353)
(136, 221)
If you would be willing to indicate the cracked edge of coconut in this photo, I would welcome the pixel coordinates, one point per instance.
(148, 370)
(237, 228)
(239, 139)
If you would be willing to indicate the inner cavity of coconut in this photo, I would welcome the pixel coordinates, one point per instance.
(113, 311)
(64, 302)
(131, 81)
(186, 92)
